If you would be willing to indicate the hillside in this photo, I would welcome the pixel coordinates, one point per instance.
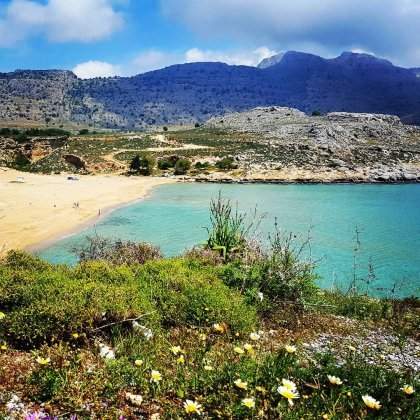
(185, 94)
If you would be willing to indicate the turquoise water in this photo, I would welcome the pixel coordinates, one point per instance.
(387, 217)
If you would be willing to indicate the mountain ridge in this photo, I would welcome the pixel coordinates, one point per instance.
(194, 92)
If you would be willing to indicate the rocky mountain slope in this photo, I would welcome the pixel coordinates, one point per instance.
(184, 94)
(339, 146)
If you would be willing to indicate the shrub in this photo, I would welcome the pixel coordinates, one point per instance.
(186, 293)
(118, 252)
(83, 132)
(143, 164)
(228, 231)
(46, 303)
(226, 164)
(182, 166)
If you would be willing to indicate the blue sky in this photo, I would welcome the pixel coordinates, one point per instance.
(107, 37)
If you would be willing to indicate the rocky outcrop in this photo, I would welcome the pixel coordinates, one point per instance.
(340, 146)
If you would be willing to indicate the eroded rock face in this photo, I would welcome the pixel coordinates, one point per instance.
(76, 161)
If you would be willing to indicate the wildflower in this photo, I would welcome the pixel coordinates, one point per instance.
(43, 361)
(155, 376)
(3, 347)
(192, 407)
(138, 362)
(2, 315)
(239, 350)
(334, 380)
(75, 335)
(134, 399)
(407, 389)
(371, 402)
(106, 352)
(208, 368)
(176, 349)
(241, 384)
(202, 337)
(180, 360)
(289, 384)
(15, 406)
(290, 349)
(248, 403)
(289, 394)
(219, 328)
(325, 416)
(249, 348)
(261, 389)
(254, 336)
(260, 296)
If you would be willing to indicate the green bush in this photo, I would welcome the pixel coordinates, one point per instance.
(186, 293)
(226, 164)
(182, 166)
(44, 303)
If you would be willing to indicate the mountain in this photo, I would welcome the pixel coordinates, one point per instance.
(271, 61)
(187, 93)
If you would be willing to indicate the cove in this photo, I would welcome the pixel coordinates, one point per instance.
(387, 218)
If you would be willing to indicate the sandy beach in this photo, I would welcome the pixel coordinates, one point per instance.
(46, 207)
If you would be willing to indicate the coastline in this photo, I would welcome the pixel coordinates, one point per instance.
(42, 209)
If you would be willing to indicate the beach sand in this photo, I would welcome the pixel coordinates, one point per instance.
(43, 207)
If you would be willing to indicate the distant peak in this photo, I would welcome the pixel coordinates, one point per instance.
(350, 56)
(271, 61)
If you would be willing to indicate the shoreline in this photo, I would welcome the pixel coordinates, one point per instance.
(46, 208)
(85, 225)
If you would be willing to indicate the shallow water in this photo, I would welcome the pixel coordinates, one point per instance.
(387, 217)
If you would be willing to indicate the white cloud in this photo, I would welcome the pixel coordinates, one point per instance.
(59, 20)
(157, 59)
(387, 27)
(245, 58)
(91, 69)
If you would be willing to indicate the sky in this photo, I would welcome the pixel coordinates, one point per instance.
(126, 37)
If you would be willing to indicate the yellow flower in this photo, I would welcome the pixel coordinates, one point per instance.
(75, 335)
(138, 362)
(208, 368)
(3, 347)
(249, 348)
(248, 403)
(261, 389)
(176, 349)
(180, 360)
(202, 337)
(2, 315)
(155, 376)
(289, 384)
(192, 407)
(325, 416)
(371, 402)
(43, 361)
(241, 384)
(239, 350)
(290, 349)
(219, 328)
(289, 394)
(254, 336)
(407, 389)
(334, 380)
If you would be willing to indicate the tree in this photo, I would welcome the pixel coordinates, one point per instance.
(142, 164)
(182, 166)
(226, 164)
